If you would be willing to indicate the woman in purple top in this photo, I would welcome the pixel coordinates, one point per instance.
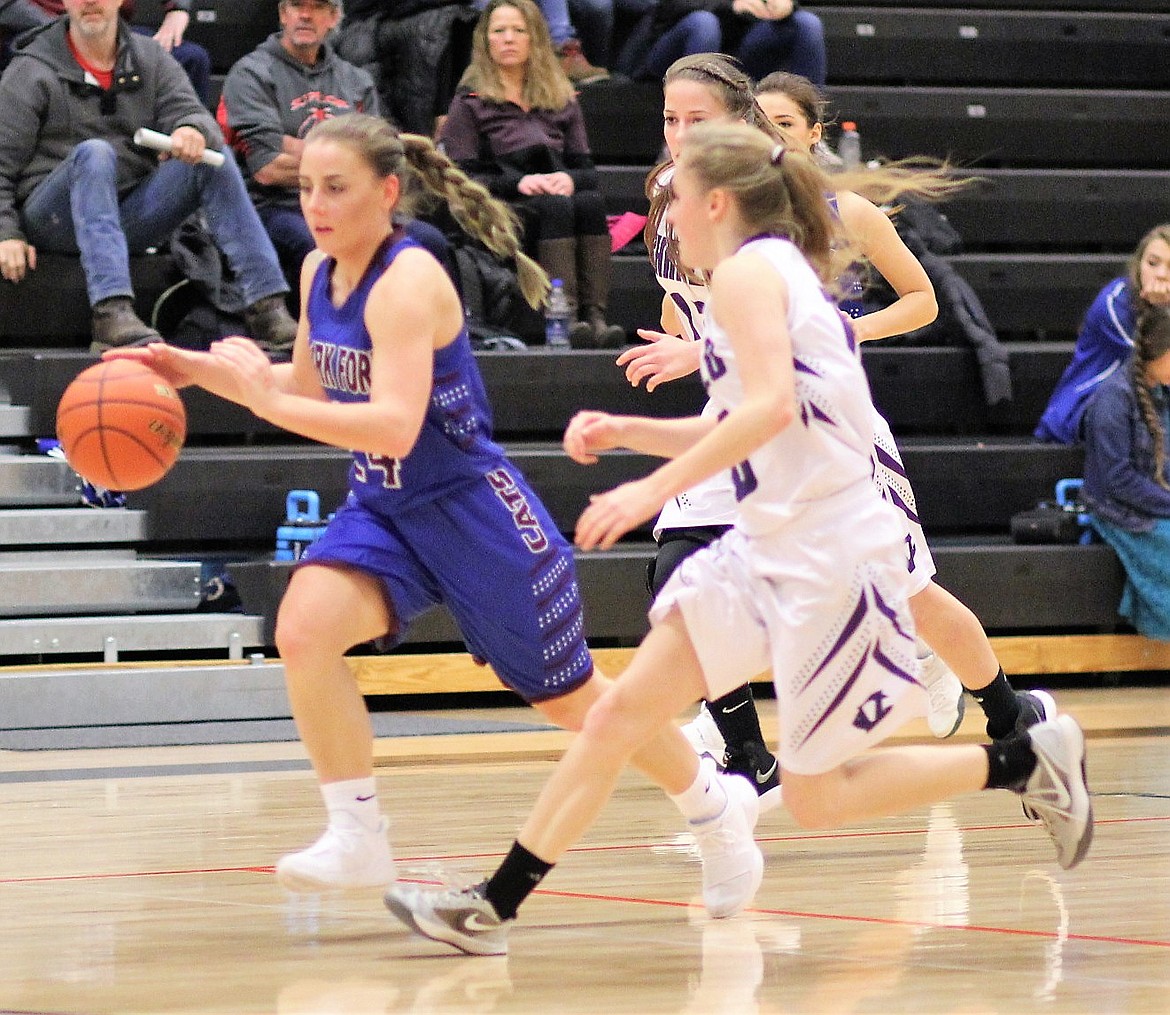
(515, 126)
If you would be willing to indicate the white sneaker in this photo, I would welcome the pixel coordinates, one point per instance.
(348, 855)
(1057, 791)
(704, 736)
(733, 865)
(947, 704)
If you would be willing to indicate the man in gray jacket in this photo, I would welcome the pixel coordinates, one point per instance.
(73, 181)
(271, 98)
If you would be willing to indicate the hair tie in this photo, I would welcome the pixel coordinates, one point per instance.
(777, 155)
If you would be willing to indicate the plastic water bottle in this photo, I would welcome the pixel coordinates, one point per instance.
(558, 317)
(849, 147)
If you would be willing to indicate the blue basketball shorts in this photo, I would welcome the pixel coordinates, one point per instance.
(492, 555)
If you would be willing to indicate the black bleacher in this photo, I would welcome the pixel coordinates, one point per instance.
(890, 46)
(1060, 105)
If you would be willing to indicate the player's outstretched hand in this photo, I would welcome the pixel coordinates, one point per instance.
(179, 367)
(590, 432)
(251, 369)
(611, 515)
(664, 358)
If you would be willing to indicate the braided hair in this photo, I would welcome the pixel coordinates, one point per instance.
(1151, 342)
(481, 216)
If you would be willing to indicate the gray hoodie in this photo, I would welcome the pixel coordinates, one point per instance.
(269, 94)
(47, 107)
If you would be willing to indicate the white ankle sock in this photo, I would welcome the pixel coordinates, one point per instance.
(355, 797)
(704, 799)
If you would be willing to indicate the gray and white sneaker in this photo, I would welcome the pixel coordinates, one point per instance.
(1057, 791)
(733, 865)
(459, 917)
(947, 704)
(1035, 707)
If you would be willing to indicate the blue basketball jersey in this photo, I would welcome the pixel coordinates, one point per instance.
(455, 445)
(453, 521)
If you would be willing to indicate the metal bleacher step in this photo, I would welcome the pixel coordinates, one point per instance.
(110, 636)
(48, 697)
(36, 481)
(57, 583)
(70, 526)
(14, 420)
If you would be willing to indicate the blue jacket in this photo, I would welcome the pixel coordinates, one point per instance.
(1104, 343)
(1119, 457)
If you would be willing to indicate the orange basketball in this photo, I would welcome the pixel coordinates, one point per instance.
(121, 425)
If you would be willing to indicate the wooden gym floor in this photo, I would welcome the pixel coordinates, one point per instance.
(139, 880)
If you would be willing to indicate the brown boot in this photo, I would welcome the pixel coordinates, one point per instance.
(559, 259)
(578, 69)
(271, 325)
(115, 325)
(594, 260)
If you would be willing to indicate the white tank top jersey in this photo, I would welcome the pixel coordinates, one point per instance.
(827, 448)
(711, 502)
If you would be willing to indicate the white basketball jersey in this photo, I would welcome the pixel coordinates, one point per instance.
(711, 502)
(828, 446)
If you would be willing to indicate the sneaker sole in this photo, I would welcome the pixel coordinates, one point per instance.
(1086, 839)
(960, 711)
(302, 884)
(441, 932)
(1048, 707)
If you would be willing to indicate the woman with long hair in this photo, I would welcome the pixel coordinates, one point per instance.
(515, 126)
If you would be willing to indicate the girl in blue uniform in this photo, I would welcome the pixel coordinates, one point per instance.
(435, 512)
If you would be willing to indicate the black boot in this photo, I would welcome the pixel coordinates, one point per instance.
(593, 270)
(115, 325)
(559, 259)
(271, 325)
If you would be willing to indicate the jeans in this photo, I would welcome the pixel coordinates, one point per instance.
(594, 21)
(76, 209)
(795, 44)
(194, 59)
(645, 58)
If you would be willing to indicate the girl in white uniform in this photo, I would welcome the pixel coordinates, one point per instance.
(811, 581)
(708, 87)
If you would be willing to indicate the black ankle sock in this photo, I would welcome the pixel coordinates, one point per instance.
(999, 704)
(1010, 762)
(514, 880)
(735, 715)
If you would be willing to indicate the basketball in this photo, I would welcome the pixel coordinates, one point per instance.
(121, 425)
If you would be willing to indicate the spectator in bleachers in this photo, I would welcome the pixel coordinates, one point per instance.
(272, 97)
(596, 19)
(515, 126)
(763, 35)
(73, 181)
(1127, 474)
(1105, 339)
(192, 57)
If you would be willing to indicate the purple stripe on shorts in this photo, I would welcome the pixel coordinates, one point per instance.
(888, 612)
(850, 630)
(889, 461)
(901, 505)
(836, 702)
